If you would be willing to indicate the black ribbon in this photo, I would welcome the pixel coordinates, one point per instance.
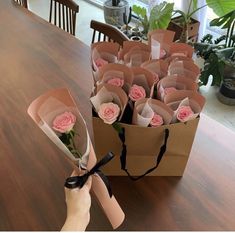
(79, 181)
(121, 134)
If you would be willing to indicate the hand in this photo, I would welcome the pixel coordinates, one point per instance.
(78, 207)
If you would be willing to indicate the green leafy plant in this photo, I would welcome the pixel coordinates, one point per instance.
(159, 18)
(218, 53)
(186, 18)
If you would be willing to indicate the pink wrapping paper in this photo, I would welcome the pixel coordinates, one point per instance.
(144, 78)
(106, 93)
(164, 37)
(185, 68)
(130, 45)
(185, 98)
(158, 67)
(135, 57)
(182, 49)
(144, 110)
(115, 70)
(43, 110)
(176, 81)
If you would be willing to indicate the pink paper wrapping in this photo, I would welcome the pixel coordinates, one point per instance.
(135, 57)
(104, 50)
(158, 67)
(115, 70)
(177, 81)
(164, 37)
(181, 48)
(185, 68)
(106, 93)
(144, 110)
(185, 98)
(144, 78)
(43, 110)
(130, 45)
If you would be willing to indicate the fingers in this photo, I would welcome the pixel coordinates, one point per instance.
(88, 183)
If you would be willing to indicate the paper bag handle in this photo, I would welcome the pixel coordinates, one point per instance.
(162, 151)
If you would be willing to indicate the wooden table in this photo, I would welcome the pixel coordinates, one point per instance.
(35, 57)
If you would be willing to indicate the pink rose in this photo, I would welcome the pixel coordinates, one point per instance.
(109, 112)
(162, 53)
(116, 82)
(156, 120)
(137, 92)
(184, 113)
(64, 122)
(100, 62)
(169, 90)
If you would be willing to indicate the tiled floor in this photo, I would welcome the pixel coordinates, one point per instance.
(213, 108)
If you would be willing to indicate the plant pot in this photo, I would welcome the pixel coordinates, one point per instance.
(136, 38)
(176, 26)
(126, 31)
(226, 93)
(114, 14)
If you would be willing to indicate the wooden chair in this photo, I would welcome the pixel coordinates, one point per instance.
(23, 3)
(63, 14)
(107, 32)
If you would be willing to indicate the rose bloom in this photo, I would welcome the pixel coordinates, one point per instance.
(64, 122)
(162, 53)
(116, 82)
(184, 112)
(109, 112)
(169, 90)
(137, 92)
(156, 120)
(100, 62)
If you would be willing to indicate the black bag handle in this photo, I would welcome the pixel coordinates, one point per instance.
(121, 134)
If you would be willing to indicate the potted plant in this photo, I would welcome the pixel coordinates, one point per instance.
(219, 58)
(159, 18)
(113, 11)
(186, 28)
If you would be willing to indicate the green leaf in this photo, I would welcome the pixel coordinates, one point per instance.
(117, 127)
(160, 16)
(139, 11)
(221, 7)
(194, 4)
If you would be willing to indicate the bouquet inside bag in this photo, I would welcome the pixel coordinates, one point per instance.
(57, 115)
(153, 90)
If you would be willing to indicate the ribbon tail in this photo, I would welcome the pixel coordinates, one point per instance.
(106, 182)
(109, 205)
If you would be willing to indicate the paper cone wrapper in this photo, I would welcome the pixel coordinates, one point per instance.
(177, 58)
(110, 71)
(144, 110)
(144, 78)
(164, 37)
(158, 67)
(43, 110)
(105, 50)
(181, 49)
(185, 68)
(128, 45)
(174, 100)
(107, 93)
(135, 58)
(178, 82)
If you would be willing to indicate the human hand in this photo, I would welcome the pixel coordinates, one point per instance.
(78, 207)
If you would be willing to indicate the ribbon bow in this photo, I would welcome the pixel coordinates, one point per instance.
(79, 181)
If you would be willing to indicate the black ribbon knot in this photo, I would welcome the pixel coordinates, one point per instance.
(79, 181)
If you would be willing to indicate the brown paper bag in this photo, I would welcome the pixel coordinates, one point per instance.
(143, 145)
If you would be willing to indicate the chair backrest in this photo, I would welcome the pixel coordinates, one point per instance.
(63, 14)
(106, 32)
(23, 3)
